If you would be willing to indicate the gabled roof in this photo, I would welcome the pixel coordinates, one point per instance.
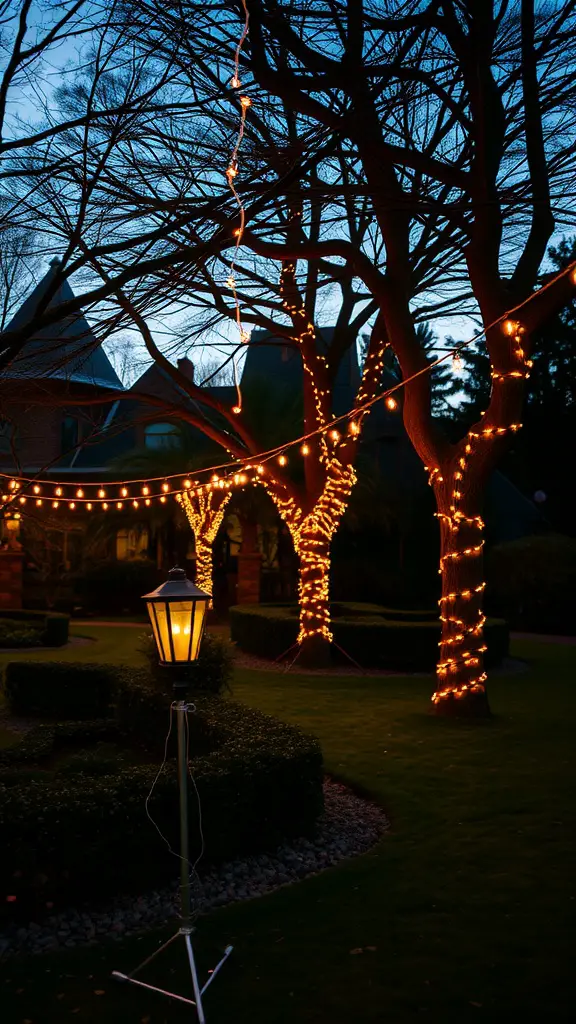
(68, 350)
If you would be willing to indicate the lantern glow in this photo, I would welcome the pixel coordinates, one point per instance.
(177, 611)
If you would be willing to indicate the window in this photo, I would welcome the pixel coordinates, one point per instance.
(69, 434)
(132, 543)
(162, 435)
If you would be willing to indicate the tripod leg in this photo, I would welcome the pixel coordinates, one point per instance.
(195, 985)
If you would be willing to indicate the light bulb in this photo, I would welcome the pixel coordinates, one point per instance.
(391, 403)
(101, 493)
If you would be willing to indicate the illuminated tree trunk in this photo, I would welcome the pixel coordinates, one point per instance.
(460, 686)
(314, 636)
(312, 535)
(205, 512)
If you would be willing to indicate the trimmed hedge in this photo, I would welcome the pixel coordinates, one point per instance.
(367, 633)
(84, 690)
(59, 689)
(15, 634)
(53, 626)
(259, 781)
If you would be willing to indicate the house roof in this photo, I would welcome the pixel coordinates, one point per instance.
(67, 350)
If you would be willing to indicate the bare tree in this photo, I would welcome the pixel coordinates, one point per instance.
(450, 112)
(447, 127)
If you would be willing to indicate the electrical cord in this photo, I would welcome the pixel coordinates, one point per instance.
(192, 866)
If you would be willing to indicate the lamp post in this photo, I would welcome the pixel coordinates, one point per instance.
(177, 612)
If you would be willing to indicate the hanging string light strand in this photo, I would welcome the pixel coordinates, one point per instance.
(231, 175)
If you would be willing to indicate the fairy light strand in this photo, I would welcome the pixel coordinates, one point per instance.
(466, 638)
(231, 175)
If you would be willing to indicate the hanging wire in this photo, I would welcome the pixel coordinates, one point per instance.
(253, 460)
(231, 174)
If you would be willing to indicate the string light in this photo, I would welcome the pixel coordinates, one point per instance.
(79, 493)
(312, 535)
(124, 492)
(457, 632)
(146, 490)
(305, 449)
(391, 403)
(101, 493)
(205, 511)
(282, 460)
(36, 489)
(231, 174)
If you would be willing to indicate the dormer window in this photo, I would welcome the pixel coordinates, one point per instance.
(162, 435)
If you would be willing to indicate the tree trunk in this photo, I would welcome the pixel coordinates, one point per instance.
(460, 676)
(314, 597)
(204, 562)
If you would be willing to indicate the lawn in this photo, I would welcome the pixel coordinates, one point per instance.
(469, 902)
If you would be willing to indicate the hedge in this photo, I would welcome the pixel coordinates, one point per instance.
(59, 689)
(53, 626)
(368, 635)
(259, 782)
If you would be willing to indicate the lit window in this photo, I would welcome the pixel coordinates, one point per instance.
(162, 435)
(132, 544)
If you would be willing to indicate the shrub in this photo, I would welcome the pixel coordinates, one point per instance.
(367, 633)
(209, 674)
(12, 634)
(532, 582)
(52, 627)
(260, 784)
(59, 689)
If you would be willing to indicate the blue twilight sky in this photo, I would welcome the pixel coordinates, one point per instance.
(24, 103)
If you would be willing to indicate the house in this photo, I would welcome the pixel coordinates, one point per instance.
(43, 431)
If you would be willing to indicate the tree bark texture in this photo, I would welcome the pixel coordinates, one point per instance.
(205, 512)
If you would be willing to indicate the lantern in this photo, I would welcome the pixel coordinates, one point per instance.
(177, 611)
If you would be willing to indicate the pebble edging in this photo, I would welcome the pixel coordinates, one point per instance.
(348, 827)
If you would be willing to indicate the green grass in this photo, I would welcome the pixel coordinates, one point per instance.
(469, 901)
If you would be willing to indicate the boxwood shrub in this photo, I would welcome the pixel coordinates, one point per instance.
(368, 633)
(19, 634)
(52, 626)
(59, 689)
(258, 780)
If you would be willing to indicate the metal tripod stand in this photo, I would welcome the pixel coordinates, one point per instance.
(185, 930)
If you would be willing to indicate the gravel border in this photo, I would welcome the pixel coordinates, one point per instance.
(349, 826)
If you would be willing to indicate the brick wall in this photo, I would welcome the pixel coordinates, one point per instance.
(11, 579)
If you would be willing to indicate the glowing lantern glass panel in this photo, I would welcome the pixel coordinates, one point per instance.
(177, 611)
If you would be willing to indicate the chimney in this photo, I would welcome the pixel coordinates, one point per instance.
(186, 368)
